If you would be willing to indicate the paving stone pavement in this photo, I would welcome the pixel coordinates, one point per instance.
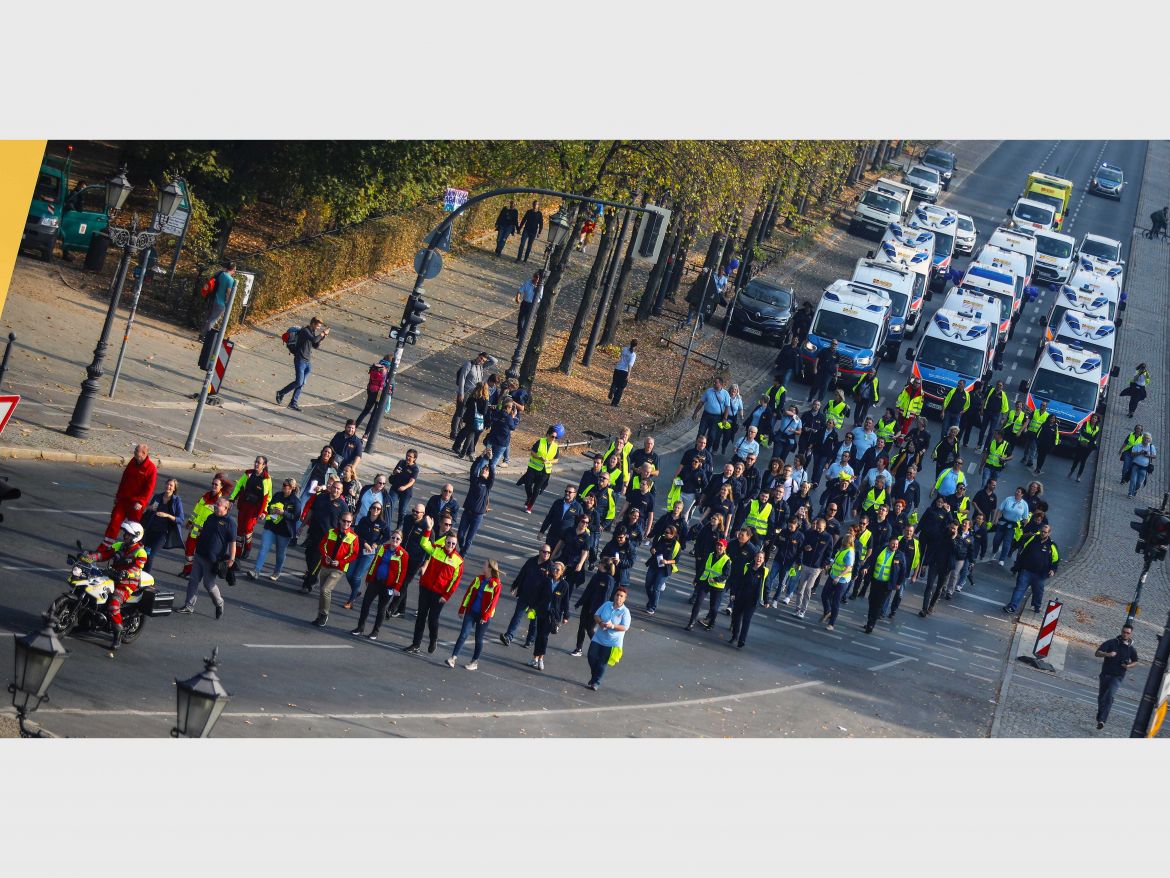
(1098, 583)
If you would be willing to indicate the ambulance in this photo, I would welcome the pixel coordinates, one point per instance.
(1095, 299)
(1103, 255)
(986, 280)
(958, 346)
(1017, 242)
(1092, 333)
(1053, 191)
(1029, 214)
(945, 224)
(897, 282)
(1068, 378)
(857, 317)
(912, 249)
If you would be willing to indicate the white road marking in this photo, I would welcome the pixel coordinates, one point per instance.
(943, 667)
(897, 661)
(893, 383)
(979, 597)
(987, 649)
(902, 369)
(915, 630)
(948, 639)
(298, 645)
(866, 645)
(977, 677)
(909, 646)
(490, 714)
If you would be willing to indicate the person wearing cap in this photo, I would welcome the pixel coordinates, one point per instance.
(712, 581)
(470, 374)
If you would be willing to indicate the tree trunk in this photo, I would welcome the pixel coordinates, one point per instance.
(606, 291)
(770, 213)
(646, 303)
(619, 292)
(668, 269)
(560, 259)
(680, 262)
(749, 245)
(586, 305)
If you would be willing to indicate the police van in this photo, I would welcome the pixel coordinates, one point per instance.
(987, 280)
(912, 249)
(958, 345)
(857, 318)
(1069, 379)
(1017, 242)
(897, 282)
(1054, 257)
(1088, 332)
(944, 223)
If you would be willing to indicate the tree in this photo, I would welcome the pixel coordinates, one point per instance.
(586, 305)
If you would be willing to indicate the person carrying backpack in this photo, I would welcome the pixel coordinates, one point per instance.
(301, 346)
(375, 385)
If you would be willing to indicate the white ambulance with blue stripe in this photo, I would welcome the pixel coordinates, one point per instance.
(1096, 334)
(958, 346)
(856, 317)
(1068, 378)
(944, 223)
(899, 283)
(912, 249)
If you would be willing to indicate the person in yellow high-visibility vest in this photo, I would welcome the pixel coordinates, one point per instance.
(712, 581)
(1039, 416)
(621, 446)
(995, 408)
(540, 463)
(1086, 444)
(909, 404)
(1015, 425)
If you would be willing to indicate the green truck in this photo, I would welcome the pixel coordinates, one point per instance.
(71, 216)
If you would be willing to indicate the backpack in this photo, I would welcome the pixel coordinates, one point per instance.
(377, 378)
(208, 287)
(289, 337)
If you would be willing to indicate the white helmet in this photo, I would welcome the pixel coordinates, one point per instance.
(133, 531)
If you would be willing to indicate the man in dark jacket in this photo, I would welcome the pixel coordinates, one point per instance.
(886, 574)
(747, 592)
(939, 548)
(526, 588)
(826, 371)
(787, 361)
(308, 339)
(475, 504)
(562, 515)
(531, 226)
(413, 528)
(322, 513)
(933, 525)
(1037, 561)
(908, 489)
(812, 422)
(823, 449)
(506, 225)
(444, 503)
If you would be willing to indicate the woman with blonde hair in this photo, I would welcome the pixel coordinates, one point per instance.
(477, 609)
(840, 572)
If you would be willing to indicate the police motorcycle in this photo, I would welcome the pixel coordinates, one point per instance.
(83, 607)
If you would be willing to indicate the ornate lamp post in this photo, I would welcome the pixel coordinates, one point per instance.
(199, 701)
(39, 657)
(131, 239)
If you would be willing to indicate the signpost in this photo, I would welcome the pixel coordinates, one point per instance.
(7, 407)
(453, 199)
(221, 363)
(177, 225)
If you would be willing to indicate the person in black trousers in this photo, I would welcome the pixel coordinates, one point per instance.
(506, 224)
(547, 607)
(1119, 656)
(747, 592)
(531, 226)
(595, 594)
(887, 573)
(412, 530)
(525, 587)
(942, 561)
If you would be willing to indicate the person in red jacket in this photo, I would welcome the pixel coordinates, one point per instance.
(439, 580)
(477, 609)
(384, 580)
(337, 548)
(128, 558)
(134, 491)
(251, 494)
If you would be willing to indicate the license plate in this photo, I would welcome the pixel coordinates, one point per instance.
(751, 331)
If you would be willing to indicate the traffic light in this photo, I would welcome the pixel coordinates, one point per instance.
(1153, 527)
(413, 316)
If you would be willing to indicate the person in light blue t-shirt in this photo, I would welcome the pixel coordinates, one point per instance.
(715, 404)
(613, 620)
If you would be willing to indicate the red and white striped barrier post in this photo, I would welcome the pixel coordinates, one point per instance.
(222, 358)
(1044, 638)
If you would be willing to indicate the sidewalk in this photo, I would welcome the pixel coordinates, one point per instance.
(1096, 586)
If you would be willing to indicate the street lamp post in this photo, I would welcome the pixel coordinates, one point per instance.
(131, 239)
(39, 657)
(199, 701)
(559, 228)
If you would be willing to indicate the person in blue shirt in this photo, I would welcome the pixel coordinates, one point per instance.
(864, 438)
(527, 298)
(1141, 458)
(734, 413)
(225, 281)
(950, 479)
(715, 404)
(613, 620)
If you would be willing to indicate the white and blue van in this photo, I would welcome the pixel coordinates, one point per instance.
(1093, 333)
(912, 249)
(958, 346)
(897, 282)
(1068, 378)
(944, 223)
(855, 316)
(985, 280)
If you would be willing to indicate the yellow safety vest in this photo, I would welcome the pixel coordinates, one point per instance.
(624, 457)
(757, 518)
(1015, 421)
(835, 413)
(489, 591)
(674, 494)
(842, 564)
(917, 554)
(863, 541)
(961, 514)
(873, 500)
(1130, 441)
(1003, 402)
(774, 395)
(713, 569)
(909, 405)
(883, 565)
(1038, 419)
(885, 429)
(542, 459)
(996, 453)
(1054, 554)
(1088, 433)
(966, 398)
(611, 510)
(861, 380)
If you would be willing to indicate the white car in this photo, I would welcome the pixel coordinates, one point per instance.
(966, 236)
(1029, 215)
(925, 182)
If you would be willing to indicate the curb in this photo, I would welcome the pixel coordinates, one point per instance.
(1005, 683)
(15, 453)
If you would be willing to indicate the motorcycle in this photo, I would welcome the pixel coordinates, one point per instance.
(83, 607)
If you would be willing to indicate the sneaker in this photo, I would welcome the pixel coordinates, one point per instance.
(358, 632)
(472, 666)
(1008, 608)
(576, 653)
(185, 610)
(1001, 564)
(295, 407)
(274, 577)
(592, 686)
(528, 509)
(534, 664)
(827, 628)
(411, 649)
(372, 636)
(1100, 725)
(800, 614)
(649, 612)
(540, 666)
(219, 611)
(250, 574)
(279, 398)
(787, 601)
(450, 662)
(321, 620)
(504, 639)
(432, 645)
(825, 618)
(727, 611)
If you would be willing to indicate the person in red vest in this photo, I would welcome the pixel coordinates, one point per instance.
(251, 494)
(439, 580)
(384, 581)
(337, 548)
(134, 491)
(477, 609)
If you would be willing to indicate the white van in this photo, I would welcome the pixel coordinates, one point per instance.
(945, 225)
(1096, 334)
(987, 280)
(912, 249)
(957, 346)
(1097, 300)
(1009, 262)
(1103, 255)
(1054, 257)
(856, 317)
(1069, 380)
(1029, 214)
(1017, 242)
(897, 282)
(883, 203)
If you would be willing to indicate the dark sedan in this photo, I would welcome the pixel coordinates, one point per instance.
(764, 311)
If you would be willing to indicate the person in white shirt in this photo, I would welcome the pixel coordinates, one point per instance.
(621, 372)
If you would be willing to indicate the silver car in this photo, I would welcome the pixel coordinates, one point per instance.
(925, 182)
(966, 236)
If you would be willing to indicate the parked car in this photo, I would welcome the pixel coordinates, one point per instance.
(764, 311)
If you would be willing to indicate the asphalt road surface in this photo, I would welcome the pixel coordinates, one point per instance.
(936, 677)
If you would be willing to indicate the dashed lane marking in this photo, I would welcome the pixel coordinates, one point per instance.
(897, 661)
(987, 649)
(298, 645)
(947, 639)
(979, 597)
(977, 677)
(943, 667)
(867, 646)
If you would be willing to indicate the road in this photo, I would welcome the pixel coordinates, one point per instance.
(936, 677)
